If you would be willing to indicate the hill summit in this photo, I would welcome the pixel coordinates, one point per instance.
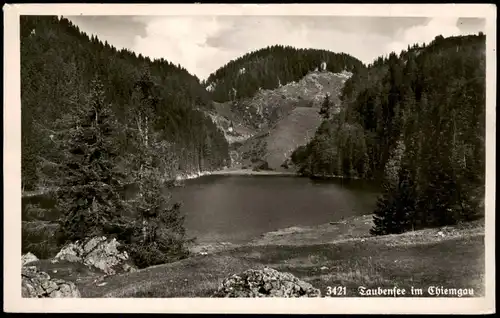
(271, 67)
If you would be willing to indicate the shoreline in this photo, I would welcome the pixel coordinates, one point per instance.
(351, 229)
(248, 172)
(235, 172)
(222, 172)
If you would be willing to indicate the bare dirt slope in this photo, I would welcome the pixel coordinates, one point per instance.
(293, 131)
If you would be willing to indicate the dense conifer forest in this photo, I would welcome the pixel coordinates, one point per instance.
(58, 62)
(416, 121)
(271, 67)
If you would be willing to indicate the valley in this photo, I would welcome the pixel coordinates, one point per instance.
(303, 160)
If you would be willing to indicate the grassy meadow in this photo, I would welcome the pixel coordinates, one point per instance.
(336, 254)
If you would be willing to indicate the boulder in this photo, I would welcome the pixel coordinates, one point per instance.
(97, 252)
(71, 253)
(38, 284)
(28, 258)
(265, 283)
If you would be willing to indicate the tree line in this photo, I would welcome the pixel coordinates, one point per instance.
(416, 122)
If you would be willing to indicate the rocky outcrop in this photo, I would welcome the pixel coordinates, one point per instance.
(265, 283)
(28, 258)
(98, 252)
(38, 284)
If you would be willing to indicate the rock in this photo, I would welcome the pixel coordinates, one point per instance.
(324, 268)
(38, 284)
(97, 252)
(104, 255)
(129, 268)
(28, 258)
(71, 253)
(265, 283)
(92, 244)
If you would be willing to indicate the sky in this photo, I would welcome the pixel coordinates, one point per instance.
(202, 44)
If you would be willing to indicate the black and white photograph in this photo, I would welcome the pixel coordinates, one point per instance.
(251, 154)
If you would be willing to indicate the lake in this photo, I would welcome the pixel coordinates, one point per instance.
(237, 209)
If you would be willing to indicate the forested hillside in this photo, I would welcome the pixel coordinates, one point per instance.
(417, 121)
(58, 62)
(271, 67)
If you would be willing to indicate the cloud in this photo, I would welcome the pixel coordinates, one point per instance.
(117, 30)
(444, 26)
(202, 44)
(180, 40)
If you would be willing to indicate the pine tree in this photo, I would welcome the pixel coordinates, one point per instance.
(88, 195)
(396, 206)
(395, 210)
(325, 108)
(384, 212)
(159, 234)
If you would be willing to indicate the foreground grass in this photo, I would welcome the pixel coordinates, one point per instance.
(339, 254)
(195, 277)
(452, 263)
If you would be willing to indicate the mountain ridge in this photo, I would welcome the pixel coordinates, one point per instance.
(271, 67)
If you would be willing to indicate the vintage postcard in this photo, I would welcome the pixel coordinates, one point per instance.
(244, 158)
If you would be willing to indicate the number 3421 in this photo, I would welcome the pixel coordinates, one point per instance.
(336, 291)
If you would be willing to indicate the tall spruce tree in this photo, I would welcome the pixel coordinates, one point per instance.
(159, 235)
(395, 207)
(88, 183)
(395, 212)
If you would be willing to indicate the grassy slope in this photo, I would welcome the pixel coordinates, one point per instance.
(327, 255)
(291, 132)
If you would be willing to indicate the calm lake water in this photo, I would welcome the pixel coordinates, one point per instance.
(237, 209)
(240, 208)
